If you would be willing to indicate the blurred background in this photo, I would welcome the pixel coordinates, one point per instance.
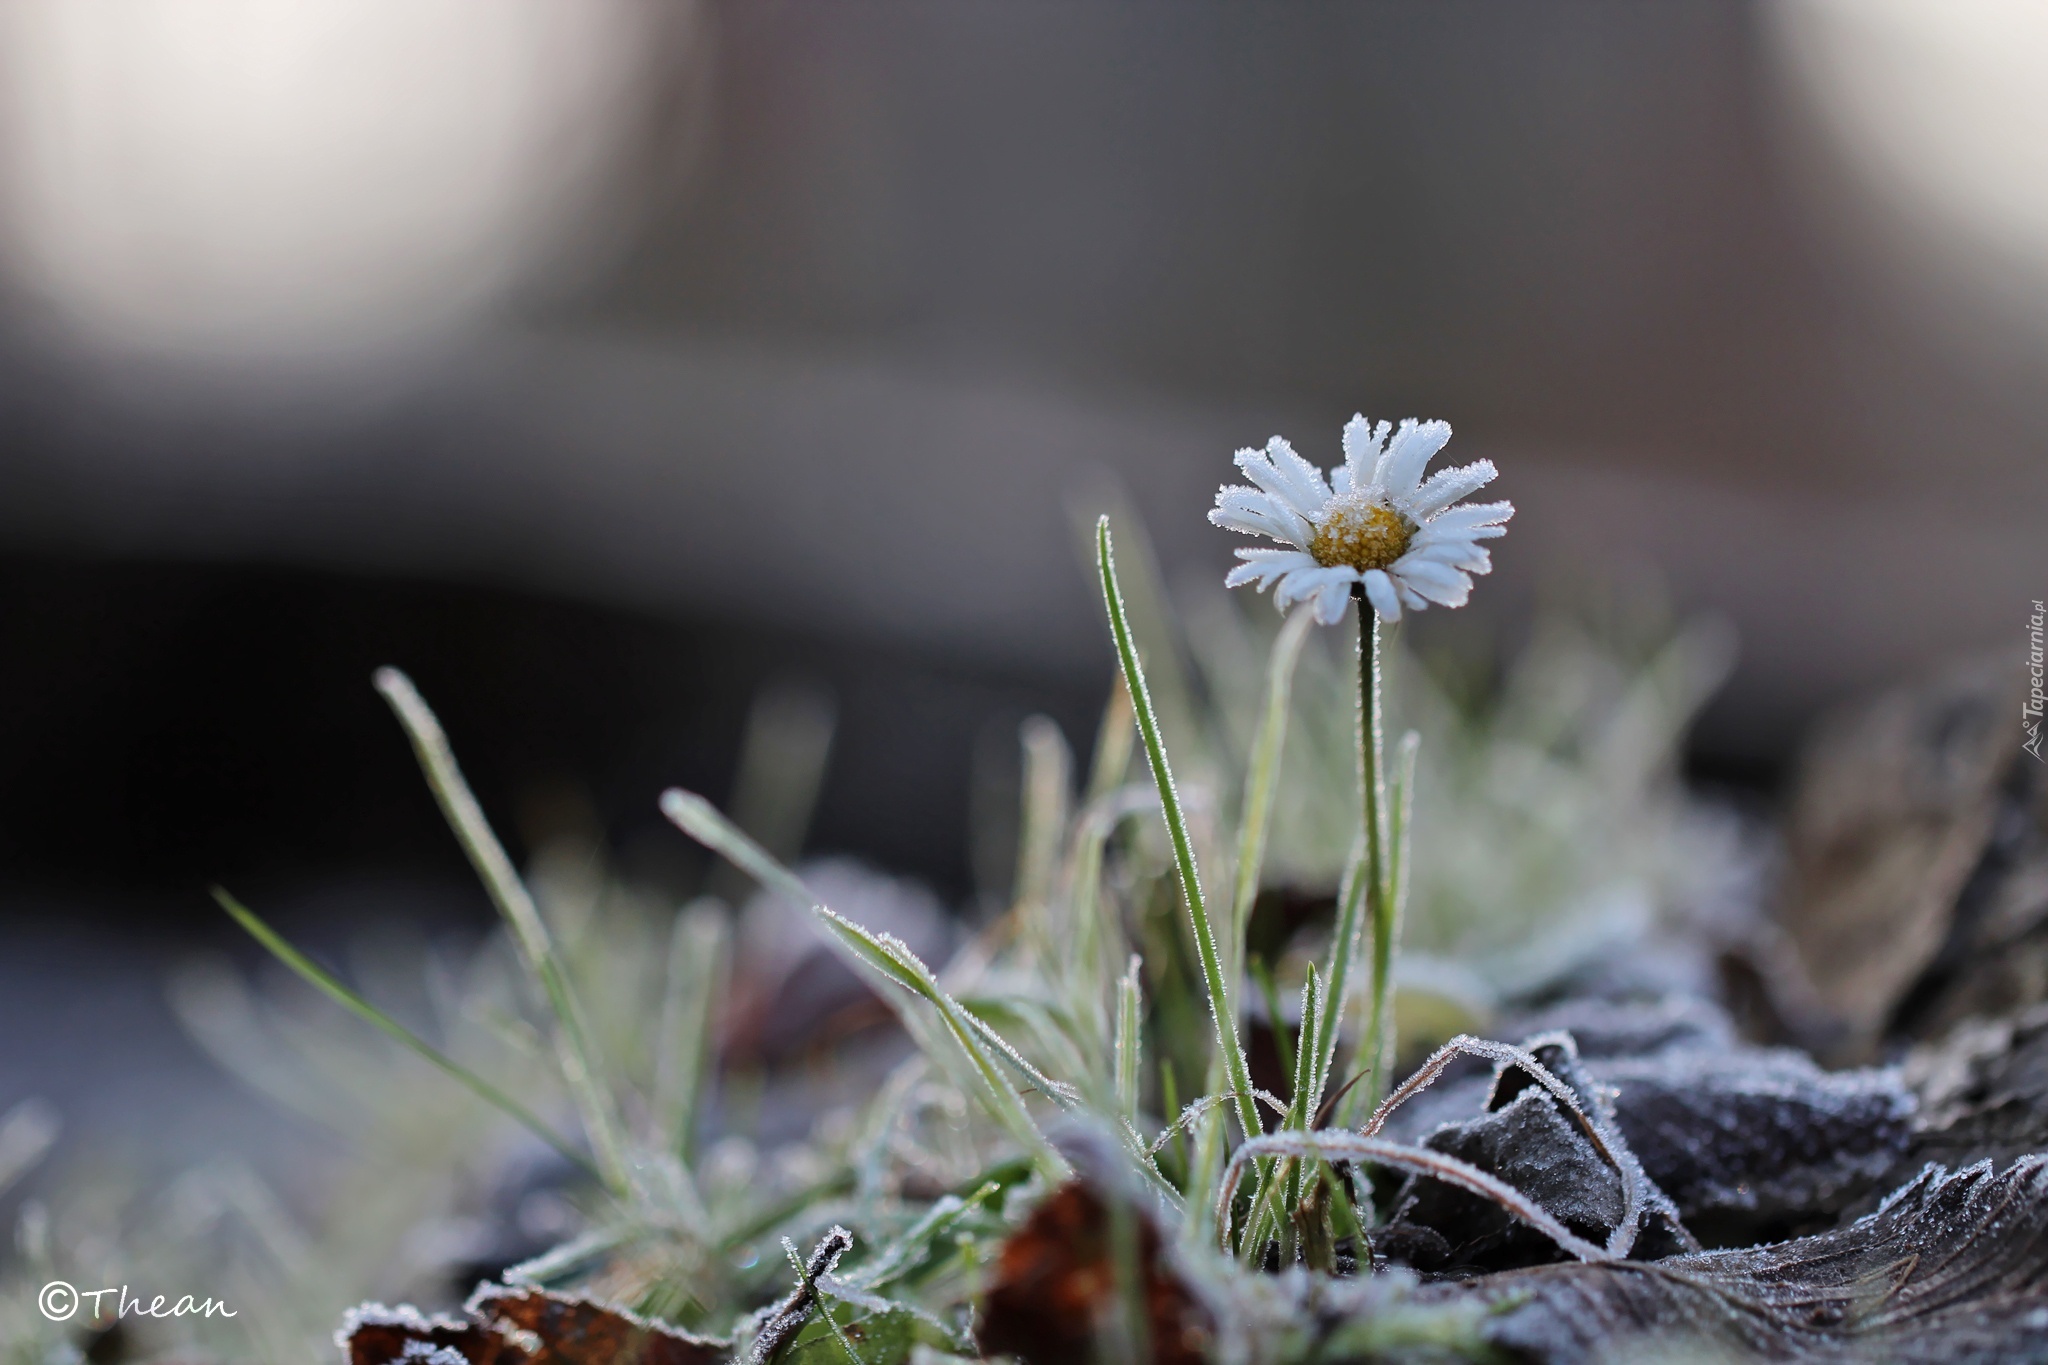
(602, 361)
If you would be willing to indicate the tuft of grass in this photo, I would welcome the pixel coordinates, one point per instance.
(580, 1053)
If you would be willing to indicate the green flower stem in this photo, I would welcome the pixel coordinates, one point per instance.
(1221, 1014)
(1387, 927)
(1365, 888)
(1376, 878)
(1372, 760)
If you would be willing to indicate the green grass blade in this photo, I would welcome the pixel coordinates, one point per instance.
(1346, 1218)
(1261, 782)
(1113, 740)
(888, 958)
(1048, 777)
(1221, 1013)
(1169, 1103)
(903, 1255)
(1301, 1104)
(699, 959)
(27, 1133)
(1129, 1041)
(1095, 938)
(508, 892)
(784, 751)
(1085, 968)
(1205, 1167)
(1269, 993)
(329, 985)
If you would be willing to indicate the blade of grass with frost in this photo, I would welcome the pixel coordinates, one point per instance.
(1169, 1097)
(1332, 1145)
(698, 959)
(1346, 1216)
(509, 893)
(1261, 974)
(1048, 771)
(324, 981)
(1221, 1013)
(1312, 1008)
(1205, 1168)
(1147, 612)
(784, 748)
(903, 1256)
(1047, 783)
(1299, 1114)
(1049, 1027)
(1088, 969)
(26, 1135)
(1323, 1043)
(1084, 952)
(1113, 740)
(700, 820)
(1261, 782)
(783, 753)
(1123, 1334)
(1307, 1097)
(1129, 1041)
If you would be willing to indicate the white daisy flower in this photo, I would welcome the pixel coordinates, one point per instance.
(1375, 521)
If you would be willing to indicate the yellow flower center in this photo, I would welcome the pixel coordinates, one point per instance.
(1361, 532)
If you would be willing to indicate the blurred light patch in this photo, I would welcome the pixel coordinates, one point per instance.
(1939, 109)
(245, 181)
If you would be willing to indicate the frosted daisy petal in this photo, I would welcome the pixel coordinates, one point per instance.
(1303, 584)
(1251, 524)
(1438, 582)
(1400, 468)
(1246, 509)
(1291, 558)
(1264, 567)
(1458, 554)
(1379, 589)
(1446, 486)
(1363, 444)
(1469, 515)
(1474, 533)
(1304, 477)
(1330, 602)
(1259, 466)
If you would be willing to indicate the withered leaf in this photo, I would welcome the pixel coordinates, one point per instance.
(1953, 1267)
(1055, 1284)
(375, 1335)
(519, 1326)
(573, 1331)
(1894, 806)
